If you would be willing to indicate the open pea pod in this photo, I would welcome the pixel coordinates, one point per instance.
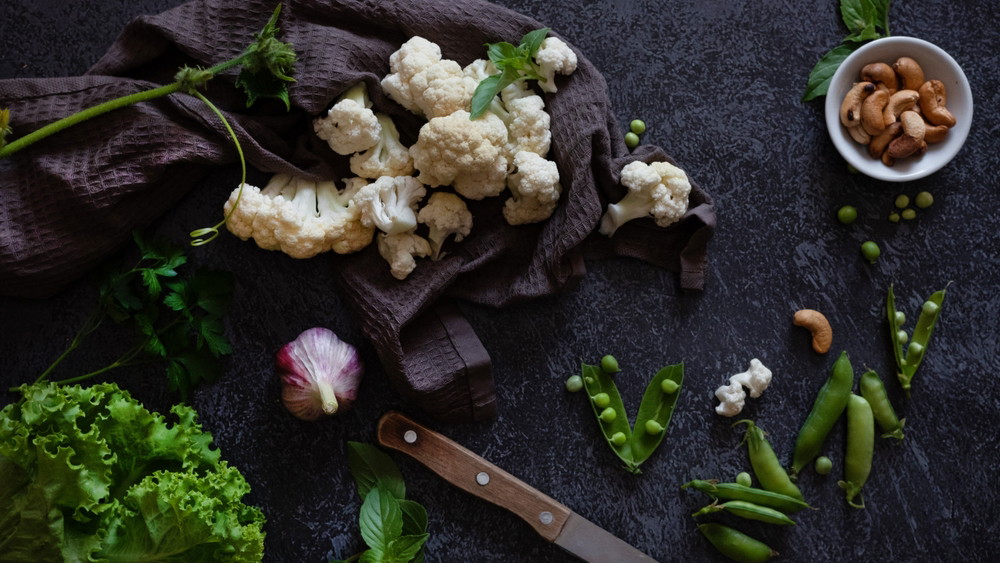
(655, 410)
(908, 360)
(596, 382)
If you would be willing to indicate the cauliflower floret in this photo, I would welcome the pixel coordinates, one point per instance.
(520, 109)
(731, 397)
(756, 379)
(468, 155)
(554, 56)
(424, 83)
(535, 189)
(252, 216)
(659, 190)
(390, 203)
(445, 214)
(400, 250)
(350, 126)
(388, 157)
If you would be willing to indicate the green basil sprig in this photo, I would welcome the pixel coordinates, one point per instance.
(865, 20)
(514, 62)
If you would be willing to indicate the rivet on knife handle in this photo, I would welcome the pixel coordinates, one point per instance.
(472, 473)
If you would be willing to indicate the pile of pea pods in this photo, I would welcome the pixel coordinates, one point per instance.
(778, 495)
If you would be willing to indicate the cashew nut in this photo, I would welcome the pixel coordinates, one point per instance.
(850, 108)
(935, 133)
(879, 143)
(816, 323)
(933, 98)
(859, 134)
(871, 111)
(880, 74)
(904, 146)
(913, 124)
(911, 73)
(898, 103)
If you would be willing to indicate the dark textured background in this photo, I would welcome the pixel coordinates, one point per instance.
(718, 83)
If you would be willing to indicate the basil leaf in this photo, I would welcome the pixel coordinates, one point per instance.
(414, 517)
(502, 54)
(857, 14)
(866, 34)
(405, 548)
(487, 89)
(381, 519)
(822, 73)
(880, 14)
(533, 40)
(371, 468)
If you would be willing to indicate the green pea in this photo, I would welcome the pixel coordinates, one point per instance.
(873, 390)
(609, 364)
(770, 474)
(631, 140)
(736, 491)
(900, 317)
(871, 251)
(588, 380)
(894, 217)
(637, 126)
(824, 465)
(653, 427)
(735, 544)
(669, 386)
(748, 510)
(744, 478)
(909, 214)
(602, 400)
(901, 336)
(902, 200)
(609, 415)
(860, 448)
(929, 308)
(847, 214)
(619, 438)
(830, 402)
(924, 200)
(574, 383)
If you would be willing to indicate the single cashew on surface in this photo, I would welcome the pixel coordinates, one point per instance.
(816, 323)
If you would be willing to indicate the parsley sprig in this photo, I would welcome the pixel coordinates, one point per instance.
(865, 20)
(514, 62)
(178, 320)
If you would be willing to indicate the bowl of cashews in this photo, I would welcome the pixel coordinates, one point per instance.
(898, 109)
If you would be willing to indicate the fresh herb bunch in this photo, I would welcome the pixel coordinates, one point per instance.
(514, 62)
(393, 528)
(865, 20)
(178, 320)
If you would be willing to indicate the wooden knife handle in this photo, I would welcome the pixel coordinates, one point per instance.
(472, 473)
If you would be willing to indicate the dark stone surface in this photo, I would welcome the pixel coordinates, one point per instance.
(718, 83)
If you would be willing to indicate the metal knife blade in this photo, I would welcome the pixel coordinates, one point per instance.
(473, 474)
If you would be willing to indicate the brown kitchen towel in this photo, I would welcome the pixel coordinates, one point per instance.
(70, 200)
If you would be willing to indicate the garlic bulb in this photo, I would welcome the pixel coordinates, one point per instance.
(320, 374)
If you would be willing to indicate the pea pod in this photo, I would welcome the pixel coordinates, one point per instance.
(907, 362)
(597, 382)
(770, 474)
(655, 411)
(736, 545)
(860, 448)
(748, 510)
(735, 491)
(827, 408)
(873, 390)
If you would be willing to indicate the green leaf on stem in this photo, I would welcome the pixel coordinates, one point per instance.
(822, 72)
(267, 65)
(371, 468)
(381, 519)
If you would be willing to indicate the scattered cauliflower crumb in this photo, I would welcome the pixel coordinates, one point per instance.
(534, 187)
(659, 190)
(401, 250)
(424, 83)
(731, 399)
(468, 155)
(445, 215)
(350, 126)
(388, 157)
(554, 56)
(732, 396)
(390, 203)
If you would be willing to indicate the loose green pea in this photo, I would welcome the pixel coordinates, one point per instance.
(619, 438)
(736, 545)
(602, 400)
(637, 126)
(609, 364)
(847, 214)
(653, 427)
(902, 200)
(669, 386)
(924, 200)
(574, 383)
(609, 415)
(744, 478)
(631, 140)
(909, 214)
(871, 251)
(894, 217)
(824, 465)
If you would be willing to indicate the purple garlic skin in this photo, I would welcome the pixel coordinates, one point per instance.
(320, 374)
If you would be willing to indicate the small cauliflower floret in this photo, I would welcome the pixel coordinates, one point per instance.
(535, 189)
(390, 203)
(756, 379)
(424, 83)
(731, 397)
(412, 56)
(253, 216)
(401, 250)
(554, 56)
(347, 233)
(388, 157)
(469, 155)
(350, 126)
(659, 190)
(445, 214)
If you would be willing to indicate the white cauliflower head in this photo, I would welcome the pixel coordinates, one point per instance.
(350, 126)
(401, 250)
(554, 56)
(731, 397)
(534, 187)
(469, 155)
(445, 215)
(390, 203)
(659, 190)
(756, 379)
(424, 83)
(388, 157)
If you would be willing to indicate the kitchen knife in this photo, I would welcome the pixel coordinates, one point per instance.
(466, 470)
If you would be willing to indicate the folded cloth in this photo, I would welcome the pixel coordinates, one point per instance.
(75, 197)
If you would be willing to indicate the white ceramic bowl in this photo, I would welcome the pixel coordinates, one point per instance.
(936, 65)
